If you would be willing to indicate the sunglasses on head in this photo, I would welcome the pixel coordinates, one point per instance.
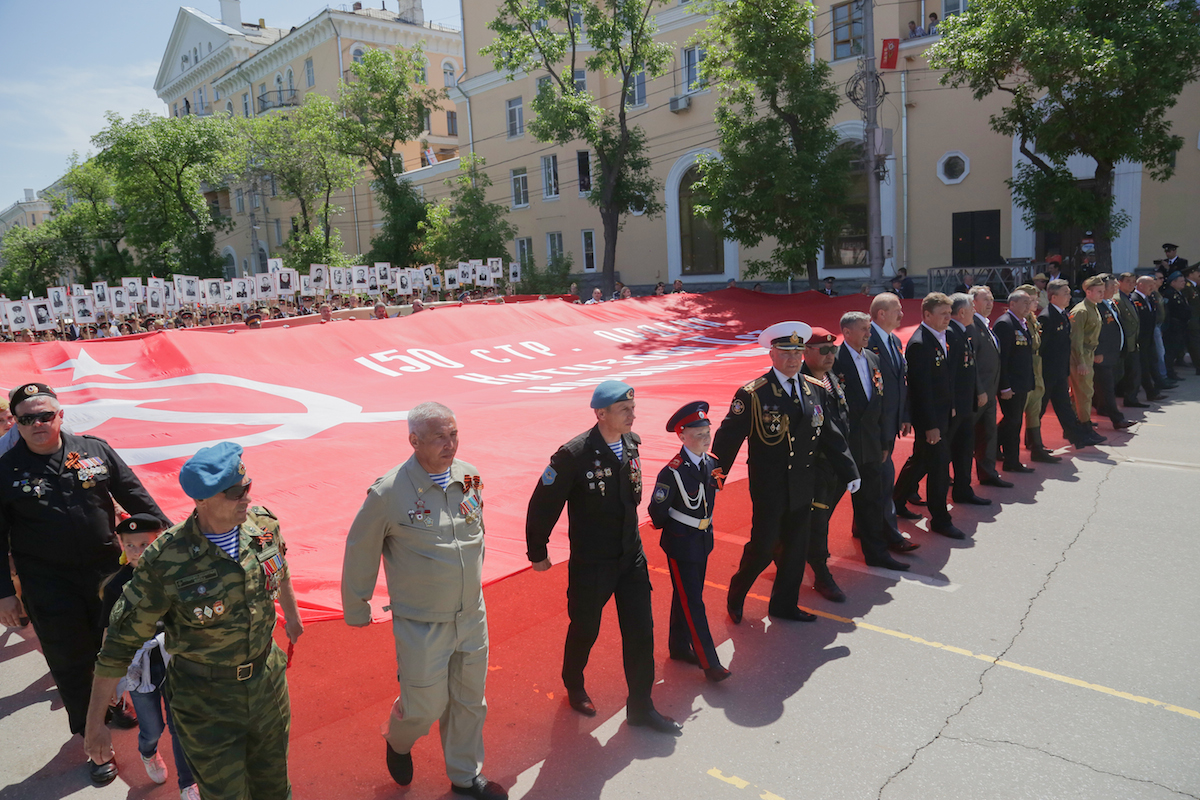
(29, 419)
(237, 492)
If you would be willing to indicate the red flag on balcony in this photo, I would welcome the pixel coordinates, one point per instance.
(889, 54)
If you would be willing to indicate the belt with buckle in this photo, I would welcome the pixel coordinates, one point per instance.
(241, 672)
(696, 522)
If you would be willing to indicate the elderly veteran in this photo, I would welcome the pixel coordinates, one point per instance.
(212, 581)
(598, 476)
(788, 418)
(424, 518)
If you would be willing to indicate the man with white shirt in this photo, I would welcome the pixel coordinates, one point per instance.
(1016, 377)
(931, 406)
(987, 361)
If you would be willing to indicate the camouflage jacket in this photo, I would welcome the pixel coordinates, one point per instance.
(215, 610)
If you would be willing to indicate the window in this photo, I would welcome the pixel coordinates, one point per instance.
(692, 58)
(428, 122)
(448, 75)
(849, 247)
(952, 7)
(584, 160)
(554, 247)
(581, 80)
(278, 233)
(310, 77)
(549, 177)
(357, 55)
(637, 90)
(291, 82)
(543, 83)
(953, 167)
(175, 109)
(246, 104)
(398, 164)
(274, 190)
(229, 107)
(240, 201)
(703, 250)
(216, 94)
(847, 29)
(589, 250)
(452, 123)
(524, 250)
(254, 199)
(577, 22)
(422, 75)
(516, 118)
(520, 188)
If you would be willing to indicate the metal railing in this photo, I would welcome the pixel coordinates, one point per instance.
(278, 98)
(1001, 279)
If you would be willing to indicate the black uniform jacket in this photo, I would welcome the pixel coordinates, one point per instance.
(930, 383)
(1056, 342)
(785, 437)
(966, 372)
(1147, 311)
(895, 387)
(690, 490)
(601, 493)
(57, 510)
(987, 359)
(866, 435)
(1016, 354)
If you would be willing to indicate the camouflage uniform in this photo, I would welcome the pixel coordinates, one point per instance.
(1085, 337)
(218, 616)
(1033, 403)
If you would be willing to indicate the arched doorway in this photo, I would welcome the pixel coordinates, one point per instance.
(702, 249)
(848, 247)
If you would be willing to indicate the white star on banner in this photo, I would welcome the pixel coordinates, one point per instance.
(84, 366)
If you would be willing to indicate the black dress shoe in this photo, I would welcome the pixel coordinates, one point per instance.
(903, 547)
(481, 789)
(654, 721)
(887, 562)
(735, 611)
(903, 512)
(830, 591)
(1018, 467)
(794, 614)
(997, 481)
(686, 657)
(1122, 425)
(974, 500)
(915, 499)
(121, 715)
(1045, 457)
(949, 531)
(581, 703)
(103, 774)
(1136, 404)
(400, 766)
(1156, 397)
(716, 673)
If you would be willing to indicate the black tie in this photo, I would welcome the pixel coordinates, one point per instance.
(793, 389)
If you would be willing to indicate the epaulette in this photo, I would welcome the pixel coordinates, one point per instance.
(262, 512)
(635, 437)
(754, 384)
(676, 461)
(815, 381)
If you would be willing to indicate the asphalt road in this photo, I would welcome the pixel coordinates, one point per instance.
(1051, 655)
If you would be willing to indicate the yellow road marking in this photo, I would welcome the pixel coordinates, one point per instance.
(1095, 687)
(734, 780)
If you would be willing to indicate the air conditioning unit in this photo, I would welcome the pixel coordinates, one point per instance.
(681, 103)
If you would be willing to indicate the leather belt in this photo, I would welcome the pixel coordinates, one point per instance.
(696, 522)
(242, 672)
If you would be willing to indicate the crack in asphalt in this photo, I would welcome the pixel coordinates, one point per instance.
(979, 740)
(1020, 629)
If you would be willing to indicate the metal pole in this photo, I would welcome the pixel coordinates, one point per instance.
(870, 161)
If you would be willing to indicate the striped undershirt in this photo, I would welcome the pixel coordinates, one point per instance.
(442, 479)
(618, 448)
(226, 541)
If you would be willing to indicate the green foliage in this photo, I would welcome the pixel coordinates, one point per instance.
(615, 39)
(778, 174)
(468, 226)
(315, 247)
(1085, 77)
(555, 278)
(159, 166)
(31, 258)
(89, 224)
(399, 240)
(299, 147)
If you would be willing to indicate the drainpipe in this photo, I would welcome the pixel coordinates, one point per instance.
(904, 152)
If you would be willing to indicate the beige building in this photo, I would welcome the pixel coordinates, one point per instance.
(944, 202)
(242, 68)
(27, 213)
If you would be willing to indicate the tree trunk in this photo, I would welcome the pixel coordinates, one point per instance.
(1102, 233)
(612, 222)
(813, 284)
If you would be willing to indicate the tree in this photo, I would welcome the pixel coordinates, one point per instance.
(555, 278)
(160, 166)
(89, 224)
(385, 105)
(299, 149)
(31, 258)
(1085, 77)
(779, 173)
(560, 37)
(468, 226)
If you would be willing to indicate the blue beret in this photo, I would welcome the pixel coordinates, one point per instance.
(611, 392)
(1174, 275)
(212, 470)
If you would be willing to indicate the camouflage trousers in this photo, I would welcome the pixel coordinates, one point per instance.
(1033, 402)
(235, 733)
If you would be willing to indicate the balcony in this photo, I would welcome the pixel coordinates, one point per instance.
(278, 98)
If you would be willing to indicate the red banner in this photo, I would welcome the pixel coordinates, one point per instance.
(889, 54)
(320, 409)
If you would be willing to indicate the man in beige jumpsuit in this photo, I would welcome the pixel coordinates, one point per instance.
(424, 518)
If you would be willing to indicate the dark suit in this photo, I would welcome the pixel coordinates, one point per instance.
(1016, 375)
(1056, 371)
(966, 395)
(828, 486)
(682, 506)
(1106, 373)
(868, 447)
(930, 403)
(1131, 369)
(1147, 311)
(785, 436)
(987, 361)
(892, 416)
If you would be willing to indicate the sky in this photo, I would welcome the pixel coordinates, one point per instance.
(69, 62)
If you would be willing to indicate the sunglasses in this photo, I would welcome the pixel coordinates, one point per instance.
(827, 350)
(237, 492)
(29, 419)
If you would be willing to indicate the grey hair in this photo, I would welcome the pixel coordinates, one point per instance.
(852, 318)
(1019, 294)
(424, 414)
(978, 290)
(959, 301)
(57, 406)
